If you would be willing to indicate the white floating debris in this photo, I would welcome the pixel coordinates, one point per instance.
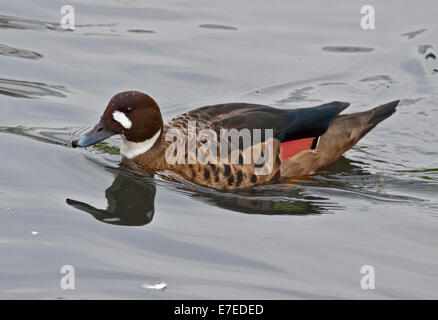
(35, 233)
(157, 286)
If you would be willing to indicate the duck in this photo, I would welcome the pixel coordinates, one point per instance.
(286, 144)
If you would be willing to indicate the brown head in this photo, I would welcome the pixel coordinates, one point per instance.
(134, 115)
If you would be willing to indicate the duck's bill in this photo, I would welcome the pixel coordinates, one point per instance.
(99, 133)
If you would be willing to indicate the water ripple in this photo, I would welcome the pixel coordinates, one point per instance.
(57, 136)
(20, 23)
(347, 49)
(19, 53)
(413, 34)
(217, 26)
(30, 89)
(140, 31)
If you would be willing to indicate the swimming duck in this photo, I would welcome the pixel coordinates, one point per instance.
(294, 142)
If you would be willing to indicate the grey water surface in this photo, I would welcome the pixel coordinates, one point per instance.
(120, 229)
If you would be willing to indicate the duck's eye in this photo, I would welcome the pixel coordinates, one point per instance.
(128, 110)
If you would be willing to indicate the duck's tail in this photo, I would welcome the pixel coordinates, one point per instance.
(382, 112)
(346, 130)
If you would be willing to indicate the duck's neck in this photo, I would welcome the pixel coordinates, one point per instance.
(132, 150)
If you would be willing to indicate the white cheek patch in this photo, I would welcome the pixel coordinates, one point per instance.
(121, 118)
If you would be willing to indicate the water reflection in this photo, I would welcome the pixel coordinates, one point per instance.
(130, 201)
(283, 200)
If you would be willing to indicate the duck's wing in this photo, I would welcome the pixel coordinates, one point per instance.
(286, 124)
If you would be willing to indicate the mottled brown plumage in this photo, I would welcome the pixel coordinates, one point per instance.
(332, 135)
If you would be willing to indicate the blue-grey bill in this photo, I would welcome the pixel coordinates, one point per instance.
(99, 133)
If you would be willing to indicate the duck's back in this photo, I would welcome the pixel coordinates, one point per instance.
(287, 124)
(292, 130)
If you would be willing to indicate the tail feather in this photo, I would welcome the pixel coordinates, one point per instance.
(346, 130)
(382, 112)
(342, 134)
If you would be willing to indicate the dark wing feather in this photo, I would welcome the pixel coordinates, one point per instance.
(287, 124)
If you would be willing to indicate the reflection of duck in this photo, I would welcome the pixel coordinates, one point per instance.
(131, 195)
(289, 201)
(130, 202)
(131, 199)
(302, 141)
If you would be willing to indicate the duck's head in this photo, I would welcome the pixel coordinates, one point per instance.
(135, 116)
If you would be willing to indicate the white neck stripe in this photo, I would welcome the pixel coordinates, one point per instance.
(133, 149)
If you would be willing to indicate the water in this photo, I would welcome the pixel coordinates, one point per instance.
(120, 229)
